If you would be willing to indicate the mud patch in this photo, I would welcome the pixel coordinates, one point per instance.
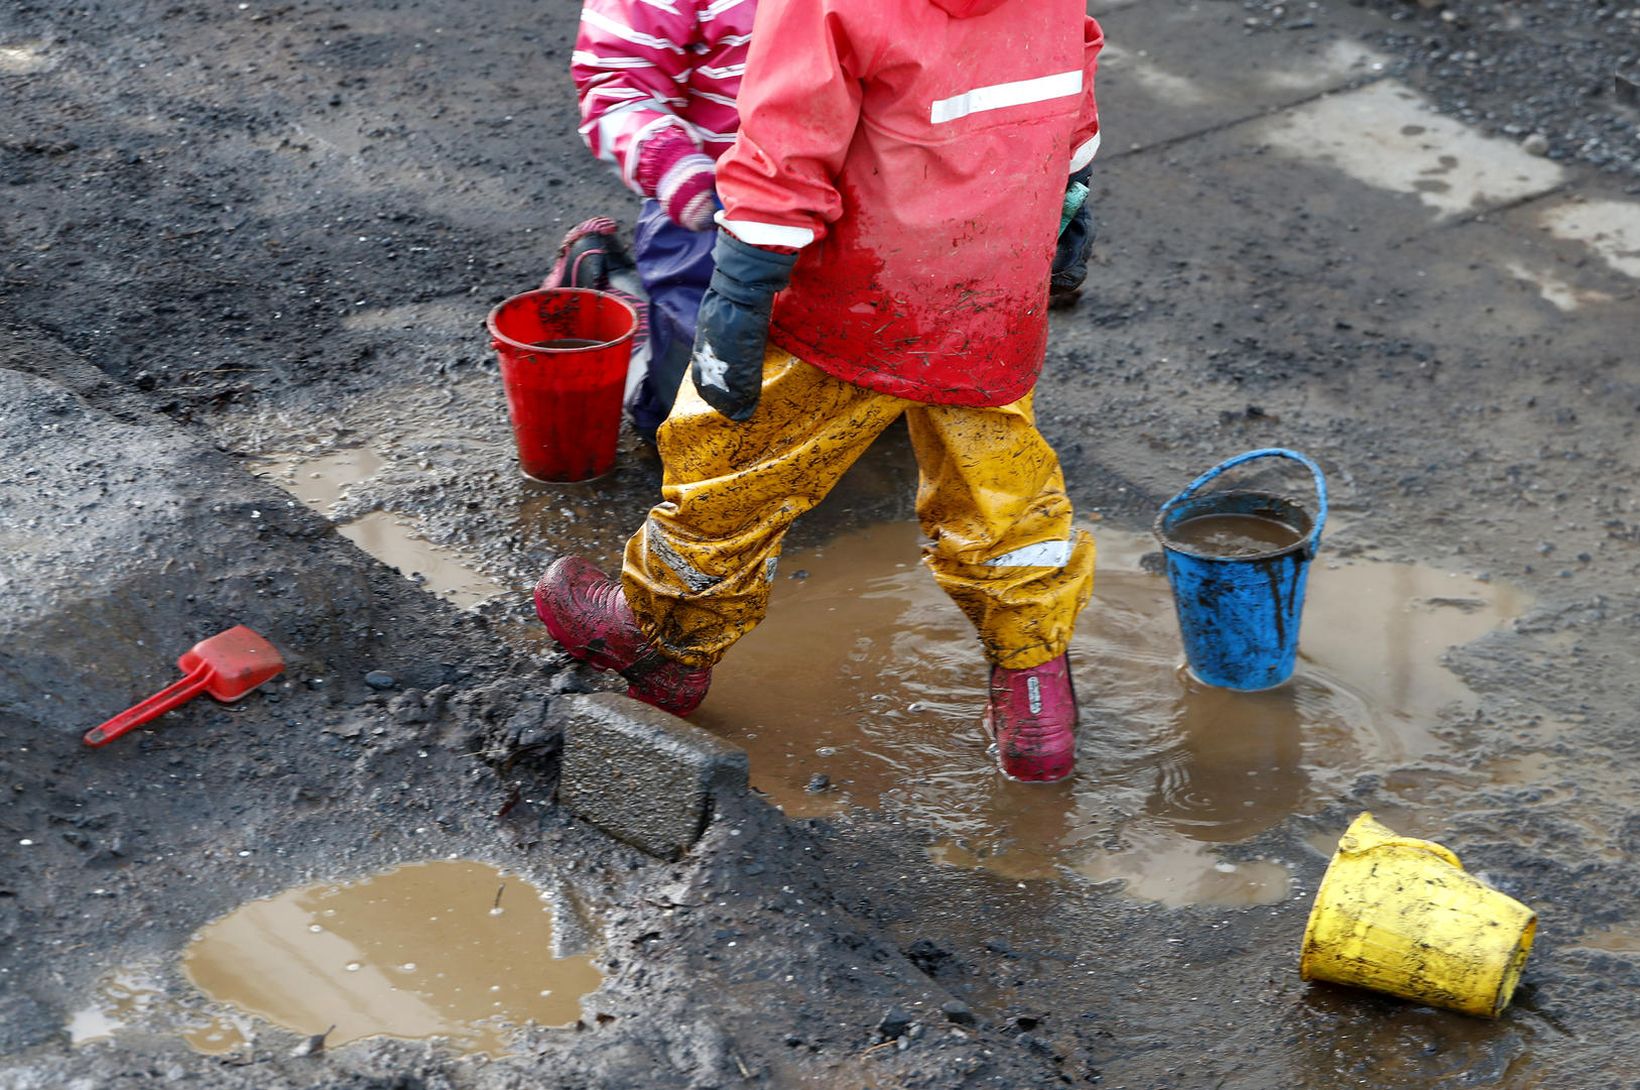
(864, 688)
(453, 949)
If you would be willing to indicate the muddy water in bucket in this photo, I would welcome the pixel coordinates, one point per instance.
(453, 949)
(1234, 535)
(864, 687)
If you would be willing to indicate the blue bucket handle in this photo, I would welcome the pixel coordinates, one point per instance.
(1313, 542)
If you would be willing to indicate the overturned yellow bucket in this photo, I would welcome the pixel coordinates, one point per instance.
(1400, 915)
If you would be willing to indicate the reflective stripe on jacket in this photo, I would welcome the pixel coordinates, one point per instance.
(642, 64)
(922, 148)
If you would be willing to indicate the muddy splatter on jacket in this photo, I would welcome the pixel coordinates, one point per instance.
(643, 65)
(917, 151)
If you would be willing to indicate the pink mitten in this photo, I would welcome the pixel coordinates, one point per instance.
(678, 175)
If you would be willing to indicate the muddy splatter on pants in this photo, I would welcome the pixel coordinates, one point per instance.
(991, 499)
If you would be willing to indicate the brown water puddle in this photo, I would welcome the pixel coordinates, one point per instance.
(1622, 939)
(453, 949)
(128, 998)
(867, 683)
(122, 998)
(439, 568)
(319, 481)
(220, 1035)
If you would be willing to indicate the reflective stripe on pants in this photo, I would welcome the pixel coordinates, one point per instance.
(991, 501)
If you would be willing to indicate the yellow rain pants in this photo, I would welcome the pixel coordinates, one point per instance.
(991, 499)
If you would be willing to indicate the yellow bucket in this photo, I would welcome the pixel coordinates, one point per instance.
(1400, 915)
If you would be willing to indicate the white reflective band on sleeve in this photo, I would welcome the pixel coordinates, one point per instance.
(1084, 154)
(765, 234)
(655, 541)
(1044, 554)
(1000, 95)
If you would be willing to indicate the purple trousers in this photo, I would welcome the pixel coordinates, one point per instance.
(675, 266)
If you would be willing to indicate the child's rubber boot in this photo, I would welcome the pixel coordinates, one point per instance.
(586, 612)
(591, 256)
(1031, 715)
(585, 256)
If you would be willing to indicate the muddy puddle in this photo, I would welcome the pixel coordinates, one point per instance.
(453, 949)
(130, 998)
(122, 998)
(324, 480)
(864, 688)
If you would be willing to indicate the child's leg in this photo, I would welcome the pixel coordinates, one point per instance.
(675, 266)
(992, 501)
(697, 574)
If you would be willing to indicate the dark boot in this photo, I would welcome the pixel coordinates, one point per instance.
(586, 612)
(591, 256)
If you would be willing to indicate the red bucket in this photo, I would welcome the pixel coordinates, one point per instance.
(564, 354)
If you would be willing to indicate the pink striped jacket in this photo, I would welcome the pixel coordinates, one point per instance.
(641, 65)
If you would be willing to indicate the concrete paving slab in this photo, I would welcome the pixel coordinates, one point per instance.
(1387, 135)
(641, 775)
(1611, 228)
(1173, 69)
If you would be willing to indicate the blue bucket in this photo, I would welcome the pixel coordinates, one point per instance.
(1239, 614)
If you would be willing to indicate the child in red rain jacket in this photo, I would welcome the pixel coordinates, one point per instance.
(890, 228)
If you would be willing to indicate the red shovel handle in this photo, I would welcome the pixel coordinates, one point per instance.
(179, 692)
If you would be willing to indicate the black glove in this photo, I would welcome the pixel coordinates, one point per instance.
(1070, 259)
(733, 328)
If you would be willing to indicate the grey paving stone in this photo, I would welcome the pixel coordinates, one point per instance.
(641, 775)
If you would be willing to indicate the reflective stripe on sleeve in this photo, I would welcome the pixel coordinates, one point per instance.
(766, 234)
(1084, 154)
(693, 578)
(1044, 554)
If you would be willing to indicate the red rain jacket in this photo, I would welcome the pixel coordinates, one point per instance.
(922, 148)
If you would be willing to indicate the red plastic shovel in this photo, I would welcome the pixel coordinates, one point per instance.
(228, 665)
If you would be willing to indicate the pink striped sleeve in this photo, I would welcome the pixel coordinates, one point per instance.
(631, 60)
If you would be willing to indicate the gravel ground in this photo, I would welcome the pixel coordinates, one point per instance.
(1558, 75)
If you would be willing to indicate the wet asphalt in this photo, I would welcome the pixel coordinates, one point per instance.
(245, 240)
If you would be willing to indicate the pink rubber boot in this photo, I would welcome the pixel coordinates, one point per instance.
(587, 613)
(1032, 716)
